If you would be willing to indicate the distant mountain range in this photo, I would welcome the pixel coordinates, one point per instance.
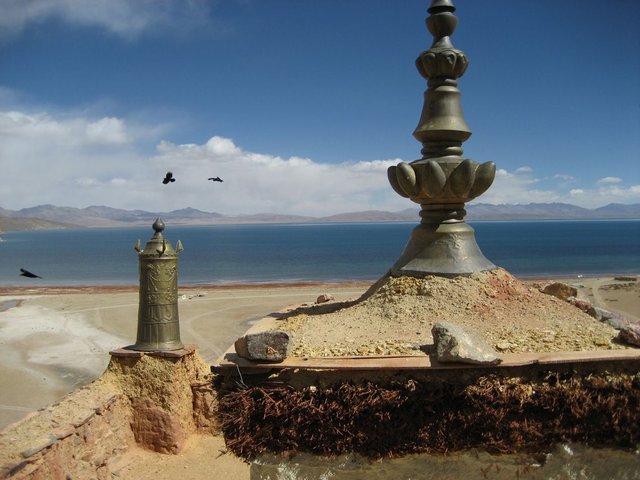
(53, 217)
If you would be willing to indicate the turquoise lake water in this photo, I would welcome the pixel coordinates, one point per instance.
(226, 254)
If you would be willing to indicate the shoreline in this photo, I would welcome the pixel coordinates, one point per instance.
(235, 221)
(11, 289)
(98, 288)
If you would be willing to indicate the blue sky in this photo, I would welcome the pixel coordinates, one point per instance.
(301, 105)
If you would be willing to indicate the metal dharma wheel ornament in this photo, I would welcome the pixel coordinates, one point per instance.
(158, 322)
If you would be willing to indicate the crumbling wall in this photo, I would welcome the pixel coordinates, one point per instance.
(160, 387)
(83, 436)
(153, 400)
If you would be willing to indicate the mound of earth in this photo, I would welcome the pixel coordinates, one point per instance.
(396, 315)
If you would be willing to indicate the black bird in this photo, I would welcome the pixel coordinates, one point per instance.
(168, 178)
(27, 273)
(215, 179)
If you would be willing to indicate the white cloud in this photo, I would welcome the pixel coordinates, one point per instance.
(516, 187)
(106, 130)
(525, 169)
(613, 191)
(607, 193)
(49, 158)
(603, 194)
(256, 182)
(566, 178)
(86, 181)
(610, 180)
(222, 146)
(126, 18)
(77, 161)
(42, 128)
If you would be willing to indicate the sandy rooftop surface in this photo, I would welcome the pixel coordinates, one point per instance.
(397, 315)
(53, 340)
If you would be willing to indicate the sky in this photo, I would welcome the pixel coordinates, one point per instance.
(300, 106)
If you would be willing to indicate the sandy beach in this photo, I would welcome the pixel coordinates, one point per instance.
(54, 340)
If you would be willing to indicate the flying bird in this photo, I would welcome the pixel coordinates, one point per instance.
(27, 273)
(215, 179)
(168, 178)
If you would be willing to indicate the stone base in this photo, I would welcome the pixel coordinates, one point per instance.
(163, 387)
(445, 249)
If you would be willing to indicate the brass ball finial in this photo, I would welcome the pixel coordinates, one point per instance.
(442, 22)
(158, 225)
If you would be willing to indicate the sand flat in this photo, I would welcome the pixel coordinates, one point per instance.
(53, 340)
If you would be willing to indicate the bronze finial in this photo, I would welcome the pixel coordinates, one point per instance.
(442, 181)
(158, 322)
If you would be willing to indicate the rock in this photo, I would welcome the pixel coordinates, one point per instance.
(583, 305)
(560, 290)
(324, 298)
(155, 428)
(453, 344)
(630, 334)
(270, 346)
(205, 408)
(503, 346)
(616, 320)
(626, 279)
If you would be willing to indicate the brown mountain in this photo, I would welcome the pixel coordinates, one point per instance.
(51, 216)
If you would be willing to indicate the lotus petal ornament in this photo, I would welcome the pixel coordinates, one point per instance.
(485, 174)
(462, 178)
(406, 176)
(434, 179)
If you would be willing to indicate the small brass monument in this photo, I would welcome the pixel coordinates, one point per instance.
(158, 323)
(442, 181)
